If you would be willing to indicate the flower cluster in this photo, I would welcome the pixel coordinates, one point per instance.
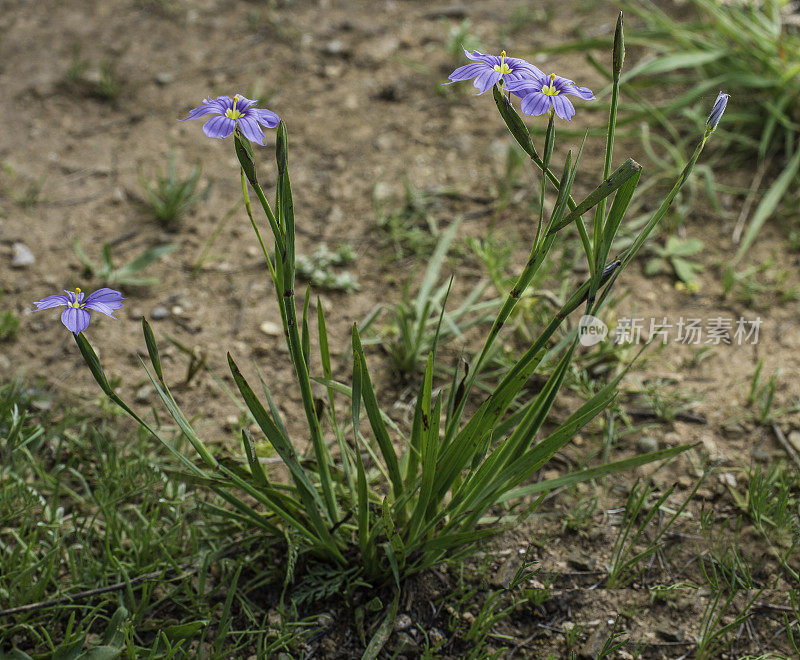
(539, 92)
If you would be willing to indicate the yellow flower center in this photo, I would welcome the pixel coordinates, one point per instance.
(234, 113)
(502, 67)
(76, 304)
(550, 89)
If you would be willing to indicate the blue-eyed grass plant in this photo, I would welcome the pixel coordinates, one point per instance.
(391, 501)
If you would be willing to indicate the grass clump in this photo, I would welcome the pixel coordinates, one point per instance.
(168, 197)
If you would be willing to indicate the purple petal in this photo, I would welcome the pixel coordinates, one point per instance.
(523, 68)
(536, 103)
(267, 117)
(251, 130)
(110, 297)
(243, 103)
(219, 127)
(569, 87)
(563, 107)
(522, 86)
(76, 320)
(52, 301)
(717, 111)
(103, 308)
(203, 110)
(486, 80)
(104, 301)
(481, 57)
(467, 72)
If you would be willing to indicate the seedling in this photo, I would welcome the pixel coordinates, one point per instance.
(126, 275)
(168, 197)
(675, 255)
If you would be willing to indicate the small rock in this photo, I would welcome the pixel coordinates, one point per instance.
(668, 633)
(334, 47)
(463, 144)
(406, 643)
(402, 622)
(385, 142)
(270, 328)
(382, 192)
(705, 494)
(164, 77)
(159, 313)
(759, 455)
(177, 310)
(336, 215)
(435, 636)
(143, 394)
(714, 452)
(685, 481)
(580, 561)
(22, 256)
(794, 439)
(384, 47)
(647, 444)
(728, 479)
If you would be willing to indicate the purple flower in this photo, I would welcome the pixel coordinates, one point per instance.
(488, 70)
(545, 92)
(75, 317)
(237, 112)
(716, 111)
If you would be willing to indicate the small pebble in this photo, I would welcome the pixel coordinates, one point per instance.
(668, 633)
(334, 47)
(159, 313)
(336, 215)
(22, 256)
(759, 455)
(382, 192)
(270, 328)
(435, 636)
(164, 77)
(647, 444)
(403, 622)
(580, 561)
(794, 439)
(406, 643)
(143, 394)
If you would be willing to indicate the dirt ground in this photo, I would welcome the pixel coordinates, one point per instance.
(358, 85)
